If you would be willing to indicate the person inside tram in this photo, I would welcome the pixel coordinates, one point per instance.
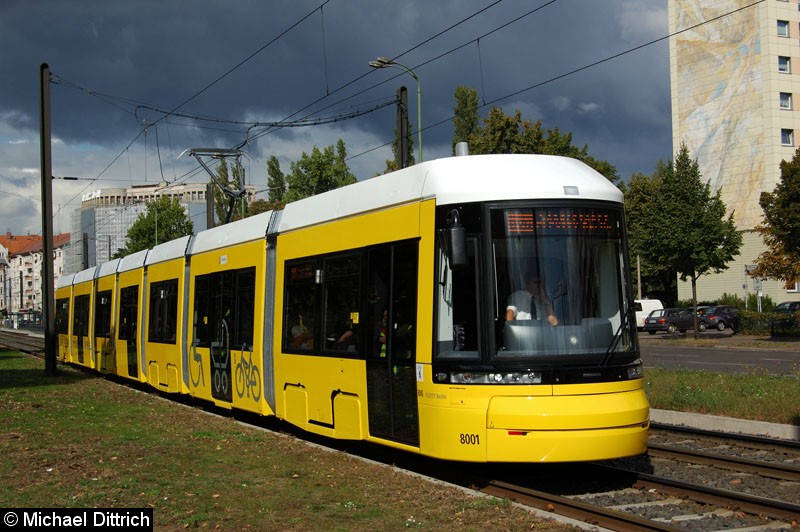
(302, 338)
(531, 303)
(347, 340)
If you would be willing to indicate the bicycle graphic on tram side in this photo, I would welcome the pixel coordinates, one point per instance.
(248, 378)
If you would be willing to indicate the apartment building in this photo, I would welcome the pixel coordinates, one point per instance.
(735, 84)
(21, 259)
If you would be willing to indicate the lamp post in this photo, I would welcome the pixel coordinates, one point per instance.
(383, 62)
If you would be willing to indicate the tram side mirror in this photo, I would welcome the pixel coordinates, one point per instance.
(456, 241)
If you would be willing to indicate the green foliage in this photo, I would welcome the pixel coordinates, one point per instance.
(780, 227)
(232, 180)
(731, 299)
(165, 219)
(755, 323)
(465, 115)
(686, 224)
(767, 305)
(312, 174)
(258, 206)
(658, 279)
(502, 133)
(276, 182)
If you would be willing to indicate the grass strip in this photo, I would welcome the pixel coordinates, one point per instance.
(78, 440)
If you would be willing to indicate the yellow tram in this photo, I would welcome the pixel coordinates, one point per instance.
(394, 310)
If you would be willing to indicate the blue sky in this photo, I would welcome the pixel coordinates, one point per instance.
(116, 64)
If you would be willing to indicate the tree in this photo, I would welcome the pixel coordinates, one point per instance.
(165, 219)
(319, 172)
(465, 115)
(502, 133)
(276, 183)
(640, 193)
(233, 181)
(780, 228)
(687, 225)
(258, 206)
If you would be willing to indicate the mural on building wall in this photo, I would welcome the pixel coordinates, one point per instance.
(719, 100)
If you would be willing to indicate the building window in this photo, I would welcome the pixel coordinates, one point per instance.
(786, 100)
(784, 64)
(783, 28)
(787, 137)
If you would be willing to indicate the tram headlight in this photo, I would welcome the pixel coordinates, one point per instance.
(635, 371)
(479, 377)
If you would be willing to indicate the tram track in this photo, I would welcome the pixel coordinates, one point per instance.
(744, 465)
(24, 342)
(650, 502)
(621, 494)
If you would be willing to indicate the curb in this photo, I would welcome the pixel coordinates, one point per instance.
(725, 424)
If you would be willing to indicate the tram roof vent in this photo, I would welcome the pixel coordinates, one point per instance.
(462, 149)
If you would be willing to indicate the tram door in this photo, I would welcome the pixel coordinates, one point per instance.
(391, 350)
(128, 314)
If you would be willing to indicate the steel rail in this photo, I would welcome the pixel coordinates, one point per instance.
(575, 509)
(773, 470)
(751, 504)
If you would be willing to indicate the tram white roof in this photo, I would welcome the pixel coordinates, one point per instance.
(247, 230)
(84, 275)
(132, 261)
(457, 180)
(450, 180)
(173, 249)
(108, 268)
(65, 280)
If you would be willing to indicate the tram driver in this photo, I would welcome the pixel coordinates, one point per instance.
(531, 303)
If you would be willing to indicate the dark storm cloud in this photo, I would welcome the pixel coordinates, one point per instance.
(161, 53)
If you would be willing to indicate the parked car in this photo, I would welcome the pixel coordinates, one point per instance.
(720, 317)
(786, 314)
(643, 308)
(669, 320)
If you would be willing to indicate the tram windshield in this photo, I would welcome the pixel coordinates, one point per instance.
(547, 283)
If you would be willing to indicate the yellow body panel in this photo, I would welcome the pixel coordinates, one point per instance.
(81, 345)
(104, 348)
(247, 371)
(537, 424)
(312, 390)
(126, 280)
(325, 389)
(63, 339)
(164, 366)
(589, 410)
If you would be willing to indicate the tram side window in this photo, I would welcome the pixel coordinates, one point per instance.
(80, 323)
(300, 300)
(128, 306)
(163, 319)
(62, 316)
(224, 309)
(245, 307)
(102, 315)
(458, 331)
(342, 297)
(202, 300)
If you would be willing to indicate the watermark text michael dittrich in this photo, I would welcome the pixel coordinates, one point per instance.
(77, 518)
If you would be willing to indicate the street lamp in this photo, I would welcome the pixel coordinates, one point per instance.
(383, 62)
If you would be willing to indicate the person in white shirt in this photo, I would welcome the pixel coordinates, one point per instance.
(531, 303)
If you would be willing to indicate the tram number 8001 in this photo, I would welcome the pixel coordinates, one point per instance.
(470, 439)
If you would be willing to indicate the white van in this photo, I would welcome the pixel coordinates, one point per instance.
(643, 309)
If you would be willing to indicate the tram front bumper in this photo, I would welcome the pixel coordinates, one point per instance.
(567, 428)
